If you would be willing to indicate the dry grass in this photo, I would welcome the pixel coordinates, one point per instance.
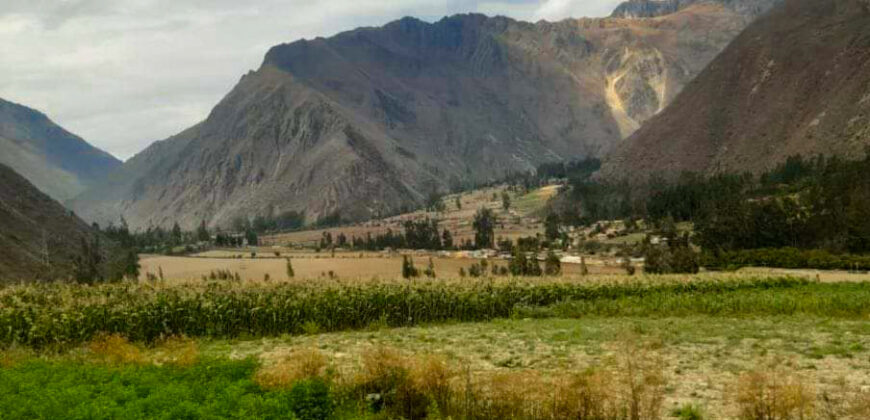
(12, 356)
(348, 267)
(115, 349)
(177, 351)
(770, 393)
(297, 366)
(417, 386)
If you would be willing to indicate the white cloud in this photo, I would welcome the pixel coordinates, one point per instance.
(123, 73)
(554, 10)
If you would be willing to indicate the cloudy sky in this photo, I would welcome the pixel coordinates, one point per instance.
(123, 73)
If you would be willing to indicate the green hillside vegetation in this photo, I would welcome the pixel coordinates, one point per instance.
(819, 208)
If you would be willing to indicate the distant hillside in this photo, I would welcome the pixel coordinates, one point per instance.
(38, 237)
(652, 8)
(59, 163)
(797, 81)
(374, 120)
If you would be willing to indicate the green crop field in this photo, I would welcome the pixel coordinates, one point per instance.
(713, 346)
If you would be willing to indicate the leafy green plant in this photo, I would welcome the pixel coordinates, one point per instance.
(311, 400)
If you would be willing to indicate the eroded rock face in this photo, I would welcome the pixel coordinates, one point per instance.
(795, 82)
(372, 120)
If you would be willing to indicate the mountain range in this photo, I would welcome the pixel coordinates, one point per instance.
(57, 162)
(797, 81)
(372, 121)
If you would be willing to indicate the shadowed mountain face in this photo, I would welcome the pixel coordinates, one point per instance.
(59, 163)
(797, 81)
(40, 238)
(374, 119)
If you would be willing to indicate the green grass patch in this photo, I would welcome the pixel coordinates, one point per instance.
(68, 390)
(839, 300)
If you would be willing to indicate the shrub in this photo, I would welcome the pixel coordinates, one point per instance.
(673, 259)
(385, 382)
(552, 265)
(408, 269)
(688, 412)
(432, 376)
(628, 266)
(768, 394)
(310, 399)
(430, 269)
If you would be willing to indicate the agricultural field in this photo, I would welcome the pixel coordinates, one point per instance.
(313, 266)
(522, 219)
(363, 266)
(709, 345)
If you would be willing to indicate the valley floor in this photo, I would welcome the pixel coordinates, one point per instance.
(710, 346)
(701, 358)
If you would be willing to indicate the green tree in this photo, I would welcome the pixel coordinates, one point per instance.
(458, 203)
(484, 228)
(408, 269)
(430, 269)
(505, 201)
(131, 264)
(858, 222)
(176, 234)
(628, 266)
(551, 226)
(434, 202)
(88, 263)
(518, 264)
(202, 233)
(552, 265)
(252, 237)
(447, 239)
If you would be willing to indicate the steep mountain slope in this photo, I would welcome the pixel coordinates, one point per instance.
(652, 8)
(39, 238)
(797, 81)
(375, 119)
(57, 162)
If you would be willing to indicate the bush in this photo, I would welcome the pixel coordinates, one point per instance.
(688, 412)
(679, 259)
(771, 395)
(311, 400)
(408, 269)
(552, 265)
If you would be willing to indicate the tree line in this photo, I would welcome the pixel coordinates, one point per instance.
(804, 203)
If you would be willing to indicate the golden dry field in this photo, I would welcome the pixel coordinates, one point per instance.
(365, 266)
(311, 266)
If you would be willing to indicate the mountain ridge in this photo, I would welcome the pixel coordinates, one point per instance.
(373, 120)
(795, 82)
(55, 160)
